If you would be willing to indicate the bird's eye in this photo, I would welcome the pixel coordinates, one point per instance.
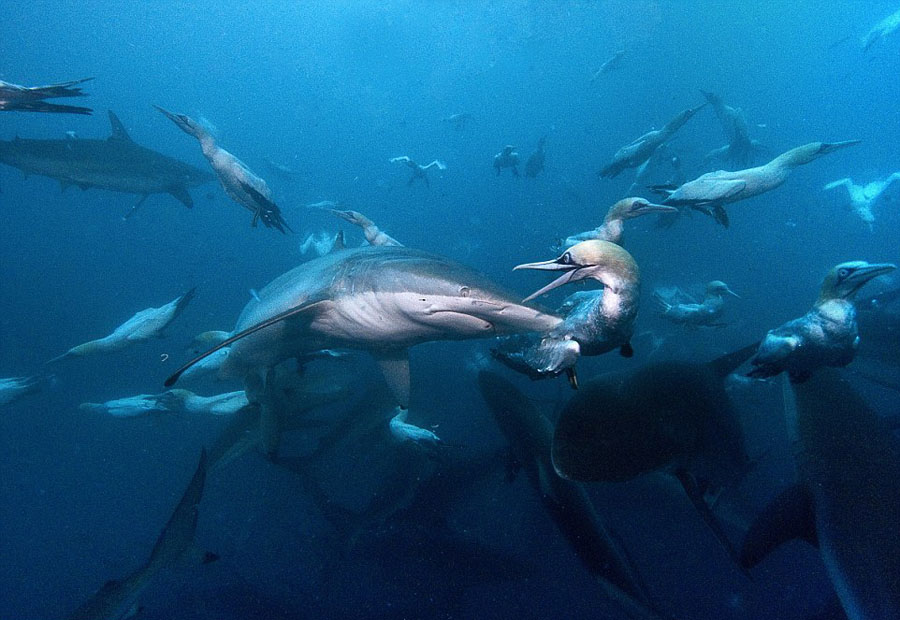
(566, 259)
(843, 272)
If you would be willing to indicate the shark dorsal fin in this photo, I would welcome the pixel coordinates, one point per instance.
(118, 129)
(728, 363)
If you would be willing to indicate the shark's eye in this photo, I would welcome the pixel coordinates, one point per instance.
(843, 272)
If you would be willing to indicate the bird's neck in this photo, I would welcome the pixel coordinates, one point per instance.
(611, 230)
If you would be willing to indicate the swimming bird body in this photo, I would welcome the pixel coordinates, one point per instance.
(373, 234)
(827, 335)
(14, 388)
(143, 326)
(708, 313)
(639, 150)
(709, 192)
(507, 158)
(419, 171)
(130, 406)
(595, 322)
(17, 98)
(240, 183)
(882, 29)
(863, 197)
(614, 223)
(740, 148)
(220, 404)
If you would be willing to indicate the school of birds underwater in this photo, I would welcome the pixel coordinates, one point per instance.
(294, 347)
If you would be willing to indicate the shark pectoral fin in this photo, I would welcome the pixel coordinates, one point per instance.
(696, 493)
(395, 368)
(721, 215)
(134, 208)
(180, 193)
(309, 306)
(790, 515)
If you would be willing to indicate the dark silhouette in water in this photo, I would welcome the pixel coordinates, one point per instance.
(639, 150)
(846, 503)
(15, 98)
(530, 434)
(671, 416)
(740, 149)
(535, 164)
(118, 599)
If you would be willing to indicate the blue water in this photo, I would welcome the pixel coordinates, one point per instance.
(334, 90)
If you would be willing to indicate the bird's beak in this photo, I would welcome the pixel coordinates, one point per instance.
(571, 273)
(829, 147)
(648, 207)
(732, 293)
(182, 121)
(864, 274)
(171, 116)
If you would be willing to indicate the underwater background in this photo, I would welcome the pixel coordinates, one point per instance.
(332, 91)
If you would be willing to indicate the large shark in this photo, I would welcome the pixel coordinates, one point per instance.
(117, 600)
(117, 163)
(848, 499)
(381, 299)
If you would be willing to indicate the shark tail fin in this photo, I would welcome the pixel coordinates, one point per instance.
(790, 515)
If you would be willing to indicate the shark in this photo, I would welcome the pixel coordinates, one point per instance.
(382, 299)
(117, 599)
(846, 501)
(117, 164)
